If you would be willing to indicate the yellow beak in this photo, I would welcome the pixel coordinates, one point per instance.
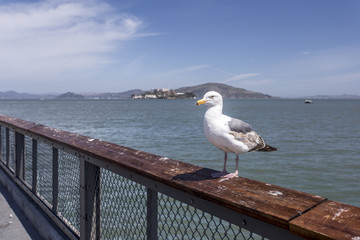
(201, 101)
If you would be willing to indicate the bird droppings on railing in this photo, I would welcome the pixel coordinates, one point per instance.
(140, 152)
(224, 179)
(275, 193)
(338, 214)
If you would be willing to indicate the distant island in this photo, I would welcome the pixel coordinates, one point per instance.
(228, 92)
(164, 93)
(343, 96)
(70, 95)
(198, 91)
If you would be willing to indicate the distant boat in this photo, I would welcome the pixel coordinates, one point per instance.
(308, 101)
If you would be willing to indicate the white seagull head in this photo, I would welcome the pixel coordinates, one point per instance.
(211, 99)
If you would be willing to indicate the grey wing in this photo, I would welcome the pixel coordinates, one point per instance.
(237, 125)
(244, 133)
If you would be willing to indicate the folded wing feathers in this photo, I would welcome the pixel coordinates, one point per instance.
(244, 133)
(250, 139)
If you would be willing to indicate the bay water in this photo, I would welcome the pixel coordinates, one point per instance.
(318, 144)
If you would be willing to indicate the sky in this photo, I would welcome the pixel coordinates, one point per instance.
(285, 48)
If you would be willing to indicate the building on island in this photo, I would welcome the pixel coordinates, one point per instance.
(163, 93)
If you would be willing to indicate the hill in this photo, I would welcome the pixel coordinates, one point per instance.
(16, 95)
(225, 90)
(70, 95)
(343, 96)
(119, 95)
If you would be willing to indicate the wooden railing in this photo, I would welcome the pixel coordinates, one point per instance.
(92, 189)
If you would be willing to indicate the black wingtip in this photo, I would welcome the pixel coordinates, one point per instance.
(268, 148)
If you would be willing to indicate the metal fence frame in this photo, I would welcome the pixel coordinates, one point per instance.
(90, 188)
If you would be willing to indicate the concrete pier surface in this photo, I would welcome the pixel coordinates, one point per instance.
(14, 224)
(20, 217)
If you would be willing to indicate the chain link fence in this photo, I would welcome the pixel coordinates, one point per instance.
(181, 221)
(69, 190)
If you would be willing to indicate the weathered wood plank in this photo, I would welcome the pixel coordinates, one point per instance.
(329, 220)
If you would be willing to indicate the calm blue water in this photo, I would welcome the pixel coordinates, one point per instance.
(318, 144)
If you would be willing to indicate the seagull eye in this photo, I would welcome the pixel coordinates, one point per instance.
(212, 97)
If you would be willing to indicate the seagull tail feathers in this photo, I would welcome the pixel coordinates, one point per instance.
(267, 148)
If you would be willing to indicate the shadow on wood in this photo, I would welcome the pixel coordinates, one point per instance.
(199, 175)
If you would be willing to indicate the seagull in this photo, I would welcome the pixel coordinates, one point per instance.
(229, 134)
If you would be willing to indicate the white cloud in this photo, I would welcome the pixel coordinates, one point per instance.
(241, 77)
(55, 37)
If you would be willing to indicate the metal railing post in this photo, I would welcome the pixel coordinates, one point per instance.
(19, 155)
(152, 214)
(7, 132)
(55, 179)
(34, 166)
(89, 200)
(1, 142)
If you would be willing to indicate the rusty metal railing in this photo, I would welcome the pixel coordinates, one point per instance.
(93, 189)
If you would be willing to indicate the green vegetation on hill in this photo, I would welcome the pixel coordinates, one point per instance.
(225, 90)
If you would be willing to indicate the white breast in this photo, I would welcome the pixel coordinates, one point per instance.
(217, 130)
